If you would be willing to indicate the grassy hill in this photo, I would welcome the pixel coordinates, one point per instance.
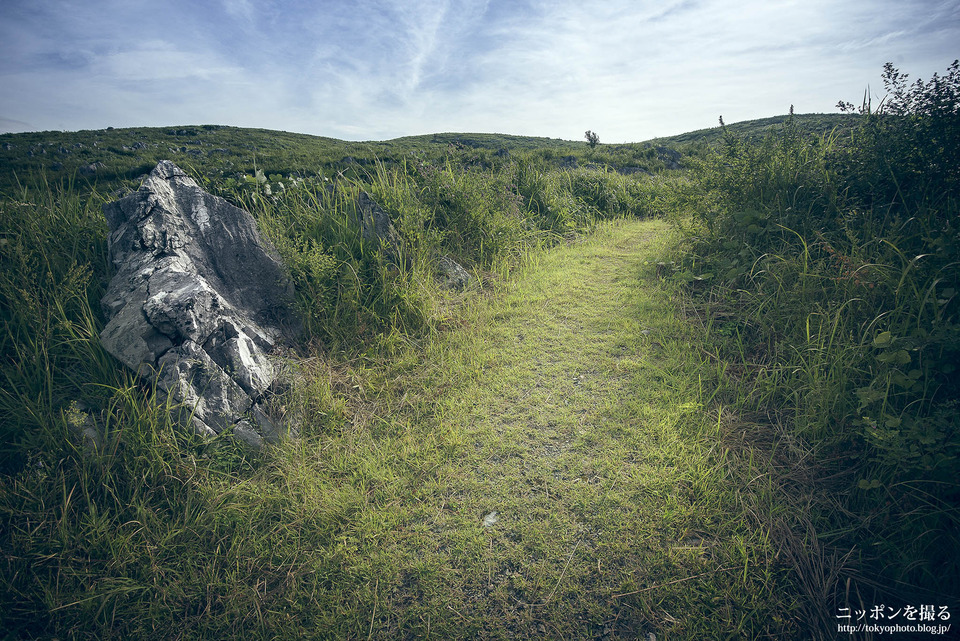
(756, 130)
(126, 151)
(109, 155)
(116, 154)
(486, 141)
(771, 367)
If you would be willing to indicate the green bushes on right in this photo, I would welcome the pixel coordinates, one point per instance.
(831, 267)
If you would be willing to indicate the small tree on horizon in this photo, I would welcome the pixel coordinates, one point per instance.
(592, 138)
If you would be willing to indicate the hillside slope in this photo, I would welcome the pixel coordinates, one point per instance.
(107, 156)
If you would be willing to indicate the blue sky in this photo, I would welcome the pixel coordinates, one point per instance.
(630, 70)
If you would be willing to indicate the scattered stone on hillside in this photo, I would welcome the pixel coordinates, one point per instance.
(452, 275)
(198, 304)
(91, 169)
(669, 157)
(376, 226)
(568, 162)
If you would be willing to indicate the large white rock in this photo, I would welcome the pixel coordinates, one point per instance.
(198, 303)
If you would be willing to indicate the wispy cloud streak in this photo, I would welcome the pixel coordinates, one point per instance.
(629, 69)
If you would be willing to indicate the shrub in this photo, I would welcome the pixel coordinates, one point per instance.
(840, 258)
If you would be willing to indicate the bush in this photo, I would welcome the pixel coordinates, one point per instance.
(839, 257)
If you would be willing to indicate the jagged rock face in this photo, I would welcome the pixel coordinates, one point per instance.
(198, 302)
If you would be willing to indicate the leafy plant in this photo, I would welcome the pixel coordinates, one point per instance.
(839, 258)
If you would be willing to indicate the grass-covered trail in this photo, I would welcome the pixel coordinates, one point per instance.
(582, 487)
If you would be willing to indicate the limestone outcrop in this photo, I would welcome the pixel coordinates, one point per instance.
(198, 304)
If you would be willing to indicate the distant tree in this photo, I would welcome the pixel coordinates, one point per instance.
(592, 138)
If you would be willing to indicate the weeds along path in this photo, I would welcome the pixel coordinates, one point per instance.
(552, 471)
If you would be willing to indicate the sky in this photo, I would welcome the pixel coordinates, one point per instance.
(630, 70)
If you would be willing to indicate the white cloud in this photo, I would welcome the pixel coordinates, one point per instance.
(159, 60)
(239, 9)
(629, 69)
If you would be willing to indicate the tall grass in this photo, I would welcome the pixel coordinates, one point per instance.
(114, 522)
(53, 261)
(484, 216)
(829, 266)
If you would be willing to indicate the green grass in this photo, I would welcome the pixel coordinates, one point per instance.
(824, 270)
(812, 125)
(571, 399)
(725, 427)
(114, 158)
(585, 427)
